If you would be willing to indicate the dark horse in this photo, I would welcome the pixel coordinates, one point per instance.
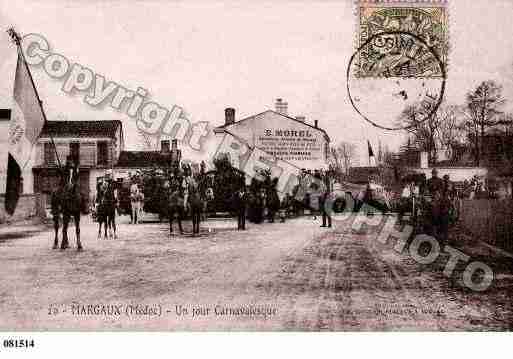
(106, 200)
(66, 200)
(272, 203)
(195, 203)
(175, 206)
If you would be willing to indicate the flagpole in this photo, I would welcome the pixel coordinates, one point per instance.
(16, 38)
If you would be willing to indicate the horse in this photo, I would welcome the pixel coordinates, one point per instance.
(439, 215)
(175, 206)
(67, 201)
(273, 204)
(195, 203)
(101, 216)
(107, 210)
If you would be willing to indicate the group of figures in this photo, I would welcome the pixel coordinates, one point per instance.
(258, 203)
(179, 193)
(66, 204)
(434, 205)
(315, 189)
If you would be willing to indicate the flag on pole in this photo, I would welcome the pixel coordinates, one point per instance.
(27, 120)
(372, 159)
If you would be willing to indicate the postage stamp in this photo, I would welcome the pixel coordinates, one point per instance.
(402, 38)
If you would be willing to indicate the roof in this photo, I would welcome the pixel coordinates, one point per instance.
(141, 159)
(225, 126)
(81, 129)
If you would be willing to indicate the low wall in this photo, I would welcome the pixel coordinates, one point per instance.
(490, 221)
(29, 206)
(455, 173)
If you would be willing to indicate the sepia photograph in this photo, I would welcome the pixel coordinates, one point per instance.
(243, 166)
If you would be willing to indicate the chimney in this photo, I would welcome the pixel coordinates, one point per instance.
(229, 116)
(316, 123)
(164, 146)
(301, 118)
(174, 144)
(281, 106)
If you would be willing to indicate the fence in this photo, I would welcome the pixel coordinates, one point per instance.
(490, 221)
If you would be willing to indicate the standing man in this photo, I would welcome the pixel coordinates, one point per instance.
(134, 201)
(140, 200)
(112, 200)
(326, 217)
(447, 196)
(240, 204)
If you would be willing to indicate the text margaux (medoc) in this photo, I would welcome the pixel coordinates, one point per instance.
(97, 309)
(115, 309)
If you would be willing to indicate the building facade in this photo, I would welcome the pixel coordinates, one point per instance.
(131, 162)
(287, 138)
(95, 144)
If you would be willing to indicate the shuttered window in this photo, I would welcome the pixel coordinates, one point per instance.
(103, 153)
(74, 151)
(49, 154)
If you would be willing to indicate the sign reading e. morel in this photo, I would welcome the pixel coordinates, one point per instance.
(281, 137)
(290, 144)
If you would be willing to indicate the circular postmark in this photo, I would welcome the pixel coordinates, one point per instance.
(396, 80)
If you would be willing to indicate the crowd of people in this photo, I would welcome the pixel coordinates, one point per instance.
(260, 200)
(435, 200)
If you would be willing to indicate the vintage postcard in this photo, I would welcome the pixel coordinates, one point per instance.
(243, 166)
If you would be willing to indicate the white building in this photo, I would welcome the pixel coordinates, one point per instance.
(287, 138)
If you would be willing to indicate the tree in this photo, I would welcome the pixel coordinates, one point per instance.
(424, 126)
(432, 132)
(408, 155)
(451, 133)
(388, 157)
(341, 157)
(483, 105)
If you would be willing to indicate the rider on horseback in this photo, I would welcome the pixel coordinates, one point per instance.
(67, 200)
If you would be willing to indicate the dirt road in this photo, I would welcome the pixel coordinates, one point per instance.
(281, 276)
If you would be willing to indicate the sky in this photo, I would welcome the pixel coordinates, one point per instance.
(208, 55)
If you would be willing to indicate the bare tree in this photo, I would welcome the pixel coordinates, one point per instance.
(451, 133)
(483, 105)
(388, 156)
(424, 127)
(342, 156)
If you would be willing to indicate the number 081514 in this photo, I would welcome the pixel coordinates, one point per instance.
(18, 343)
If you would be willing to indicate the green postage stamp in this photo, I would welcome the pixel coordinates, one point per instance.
(402, 38)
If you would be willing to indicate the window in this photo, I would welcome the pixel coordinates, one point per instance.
(74, 151)
(103, 153)
(49, 154)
